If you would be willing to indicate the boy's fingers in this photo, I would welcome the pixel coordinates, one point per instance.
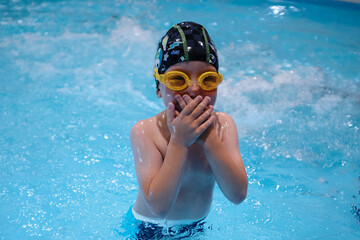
(181, 101)
(205, 115)
(176, 113)
(187, 98)
(206, 124)
(191, 105)
(201, 107)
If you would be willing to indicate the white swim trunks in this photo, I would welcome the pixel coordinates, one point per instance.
(163, 222)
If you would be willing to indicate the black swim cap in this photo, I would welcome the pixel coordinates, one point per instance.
(185, 41)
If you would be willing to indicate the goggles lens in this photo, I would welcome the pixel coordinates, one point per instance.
(177, 81)
(209, 80)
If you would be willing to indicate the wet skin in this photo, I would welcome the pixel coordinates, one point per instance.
(182, 151)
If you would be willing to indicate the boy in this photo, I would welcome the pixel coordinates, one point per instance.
(181, 152)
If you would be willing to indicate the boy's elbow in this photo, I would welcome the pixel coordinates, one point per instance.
(159, 212)
(157, 208)
(240, 196)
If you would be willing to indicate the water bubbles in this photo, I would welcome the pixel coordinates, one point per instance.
(87, 160)
(349, 124)
(288, 65)
(278, 10)
(294, 9)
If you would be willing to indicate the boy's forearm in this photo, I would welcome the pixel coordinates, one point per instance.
(165, 186)
(229, 174)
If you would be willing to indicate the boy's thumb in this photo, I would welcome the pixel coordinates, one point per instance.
(170, 112)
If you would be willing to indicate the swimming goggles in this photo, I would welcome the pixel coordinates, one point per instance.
(177, 81)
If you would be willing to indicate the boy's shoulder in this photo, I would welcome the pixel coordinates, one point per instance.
(225, 122)
(143, 124)
(147, 126)
(223, 117)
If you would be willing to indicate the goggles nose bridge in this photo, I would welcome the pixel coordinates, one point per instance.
(193, 82)
(193, 79)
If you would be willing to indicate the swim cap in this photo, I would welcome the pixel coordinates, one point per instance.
(185, 41)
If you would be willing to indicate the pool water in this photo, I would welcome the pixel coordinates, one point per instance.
(75, 76)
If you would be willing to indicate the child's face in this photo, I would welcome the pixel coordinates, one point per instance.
(193, 69)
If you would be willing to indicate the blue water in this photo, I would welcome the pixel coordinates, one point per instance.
(75, 76)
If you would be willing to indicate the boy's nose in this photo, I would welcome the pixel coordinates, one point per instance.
(193, 89)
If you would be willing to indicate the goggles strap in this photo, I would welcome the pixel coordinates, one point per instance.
(183, 38)
(206, 45)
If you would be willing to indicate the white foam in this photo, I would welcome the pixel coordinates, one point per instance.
(128, 32)
(257, 102)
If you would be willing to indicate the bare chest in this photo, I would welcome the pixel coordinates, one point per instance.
(197, 168)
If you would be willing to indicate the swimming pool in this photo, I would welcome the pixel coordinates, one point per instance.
(76, 76)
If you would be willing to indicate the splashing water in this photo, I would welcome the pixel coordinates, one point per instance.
(76, 76)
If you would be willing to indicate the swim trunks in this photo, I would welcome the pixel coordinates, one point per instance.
(147, 228)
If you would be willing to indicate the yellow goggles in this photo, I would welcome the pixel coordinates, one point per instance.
(177, 81)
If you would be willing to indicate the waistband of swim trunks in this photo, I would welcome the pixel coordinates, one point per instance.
(164, 222)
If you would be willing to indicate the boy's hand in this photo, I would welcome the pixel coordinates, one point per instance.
(186, 127)
(210, 131)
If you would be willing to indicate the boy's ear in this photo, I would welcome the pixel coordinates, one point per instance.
(158, 93)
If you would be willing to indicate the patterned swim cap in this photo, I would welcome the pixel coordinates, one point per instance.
(185, 41)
